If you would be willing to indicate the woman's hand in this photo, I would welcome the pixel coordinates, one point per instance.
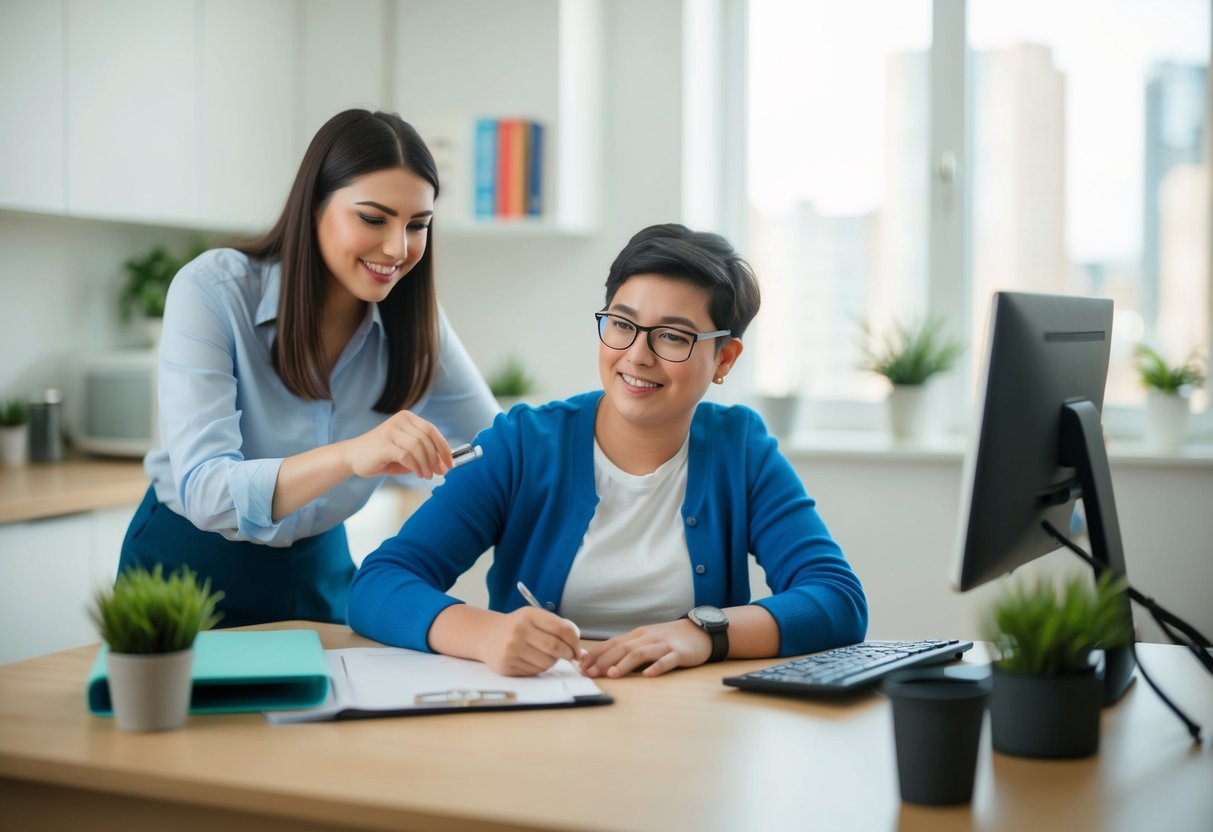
(657, 648)
(528, 641)
(403, 444)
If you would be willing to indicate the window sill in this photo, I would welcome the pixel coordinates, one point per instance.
(858, 445)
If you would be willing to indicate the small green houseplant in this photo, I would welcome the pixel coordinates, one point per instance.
(147, 280)
(909, 356)
(149, 622)
(1047, 696)
(912, 352)
(14, 432)
(1167, 389)
(511, 381)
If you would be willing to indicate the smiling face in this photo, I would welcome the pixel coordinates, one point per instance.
(647, 393)
(373, 231)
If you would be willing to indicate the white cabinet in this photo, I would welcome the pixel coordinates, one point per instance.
(132, 131)
(31, 105)
(246, 106)
(49, 570)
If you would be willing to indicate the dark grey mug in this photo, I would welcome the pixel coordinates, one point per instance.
(938, 714)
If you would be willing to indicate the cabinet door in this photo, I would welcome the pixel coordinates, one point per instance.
(246, 111)
(132, 132)
(46, 579)
(342, 65)
(31, 101)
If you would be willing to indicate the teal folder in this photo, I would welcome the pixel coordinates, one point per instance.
(241, 671)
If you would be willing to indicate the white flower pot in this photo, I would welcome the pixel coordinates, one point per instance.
(1166, 419)
(779, 414)
(908, 411)
(14, 445)
(150, 692)
(153, 328)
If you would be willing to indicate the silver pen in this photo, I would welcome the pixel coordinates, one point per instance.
(465, 454)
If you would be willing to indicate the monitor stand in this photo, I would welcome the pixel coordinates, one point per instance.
(1082, 448)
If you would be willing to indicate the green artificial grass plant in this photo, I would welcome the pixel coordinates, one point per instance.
(1041, 630)
(1157, 373)
(146, 612)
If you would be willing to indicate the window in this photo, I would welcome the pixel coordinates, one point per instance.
(1078, 165)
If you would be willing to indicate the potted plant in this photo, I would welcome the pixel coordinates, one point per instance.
(147, 280)
(909, 356)
(149, 623)
(1168, 387)
(14, 432)
(1047, 695)
(510, 383)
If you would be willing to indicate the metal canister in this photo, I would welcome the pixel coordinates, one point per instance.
(46, 426)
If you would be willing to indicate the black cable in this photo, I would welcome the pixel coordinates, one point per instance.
(1196, 641)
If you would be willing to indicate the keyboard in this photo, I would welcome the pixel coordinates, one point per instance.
(847, 669)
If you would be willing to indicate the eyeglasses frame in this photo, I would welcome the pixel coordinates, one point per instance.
(695, 337)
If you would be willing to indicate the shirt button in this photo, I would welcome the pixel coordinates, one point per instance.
(550, 605)
(691, 521)
(700, 569)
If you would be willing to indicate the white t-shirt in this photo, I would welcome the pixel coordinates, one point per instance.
(633, 566)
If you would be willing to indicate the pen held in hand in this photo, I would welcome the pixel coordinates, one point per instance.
(465, 454)
(534, 602)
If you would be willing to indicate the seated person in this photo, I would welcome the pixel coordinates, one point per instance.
(623, 509)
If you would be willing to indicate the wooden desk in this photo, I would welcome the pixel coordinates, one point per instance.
(679, 752)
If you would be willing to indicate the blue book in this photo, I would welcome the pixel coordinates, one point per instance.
(534, 169)
(486, 167)
(241, 671)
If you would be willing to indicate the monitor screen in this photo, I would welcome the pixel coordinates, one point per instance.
(1036, 443)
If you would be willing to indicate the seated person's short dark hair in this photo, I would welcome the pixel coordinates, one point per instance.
(701, 257)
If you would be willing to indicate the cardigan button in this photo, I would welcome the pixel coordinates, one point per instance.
(691, 521)
(551, 605)
(700, 569)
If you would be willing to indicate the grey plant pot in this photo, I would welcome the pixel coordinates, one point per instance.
(1046, 717)
(150, 692)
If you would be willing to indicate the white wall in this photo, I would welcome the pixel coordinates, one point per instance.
(59, 284)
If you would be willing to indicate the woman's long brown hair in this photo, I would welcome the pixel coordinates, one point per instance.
(350, 144)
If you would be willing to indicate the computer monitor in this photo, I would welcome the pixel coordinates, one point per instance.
(1037, 446)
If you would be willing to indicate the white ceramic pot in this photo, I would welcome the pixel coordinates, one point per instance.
(14, 445)
(779, 414)
(150, 692)
(1166, 419)
(153, 328)
(907, 408)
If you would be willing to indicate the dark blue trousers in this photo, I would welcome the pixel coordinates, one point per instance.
(309, 579)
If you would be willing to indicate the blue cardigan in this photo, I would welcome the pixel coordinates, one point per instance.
(532, 497)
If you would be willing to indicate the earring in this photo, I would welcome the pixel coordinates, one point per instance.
(719, 379)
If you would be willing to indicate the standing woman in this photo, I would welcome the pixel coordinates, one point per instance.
(296, 372)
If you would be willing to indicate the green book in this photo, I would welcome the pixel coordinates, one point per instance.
(241, 671)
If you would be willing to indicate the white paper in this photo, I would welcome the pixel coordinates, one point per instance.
(391, 679)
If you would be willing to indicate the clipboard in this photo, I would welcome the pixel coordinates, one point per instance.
(370, 682)
(241, 671)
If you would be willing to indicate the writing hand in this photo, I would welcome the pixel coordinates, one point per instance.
(528, 641)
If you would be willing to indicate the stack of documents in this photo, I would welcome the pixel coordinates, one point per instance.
(391, 681)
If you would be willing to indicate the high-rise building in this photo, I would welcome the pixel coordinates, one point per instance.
(1175, 119)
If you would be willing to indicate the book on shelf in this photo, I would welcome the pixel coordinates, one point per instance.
(508, 165)
(486, 167)
(447, 137)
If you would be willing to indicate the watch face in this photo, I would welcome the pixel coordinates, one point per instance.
(709, 617)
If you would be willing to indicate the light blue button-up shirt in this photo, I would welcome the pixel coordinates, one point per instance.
(227, 421)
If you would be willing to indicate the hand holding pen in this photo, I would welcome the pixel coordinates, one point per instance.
(575, 644)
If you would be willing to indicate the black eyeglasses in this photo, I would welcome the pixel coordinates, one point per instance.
(667, 342)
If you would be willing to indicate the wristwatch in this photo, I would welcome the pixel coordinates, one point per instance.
(716, 624)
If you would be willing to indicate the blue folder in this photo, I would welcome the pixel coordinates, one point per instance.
(241, 671)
